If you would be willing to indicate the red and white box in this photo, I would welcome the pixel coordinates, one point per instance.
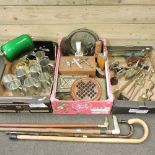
(82, 107)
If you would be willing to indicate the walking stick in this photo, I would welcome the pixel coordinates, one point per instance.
(91, 139)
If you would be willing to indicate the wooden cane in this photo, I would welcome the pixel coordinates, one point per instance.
(97, 140)
(53, 126)
(105, 125)
(57, 130)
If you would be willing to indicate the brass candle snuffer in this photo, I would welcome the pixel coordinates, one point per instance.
(97, 133)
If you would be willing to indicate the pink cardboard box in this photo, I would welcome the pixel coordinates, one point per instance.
(82, 107)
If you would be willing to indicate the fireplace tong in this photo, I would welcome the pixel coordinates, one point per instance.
(78, 132)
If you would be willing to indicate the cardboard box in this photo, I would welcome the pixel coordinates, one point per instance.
(135, 106)
(40, 103)
(82, 107)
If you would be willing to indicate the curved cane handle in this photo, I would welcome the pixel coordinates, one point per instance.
(145, 128)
